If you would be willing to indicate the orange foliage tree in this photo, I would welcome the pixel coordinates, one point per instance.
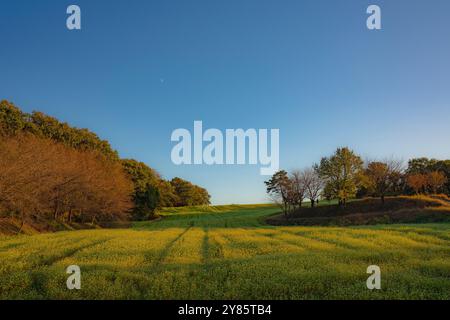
(417, 182)
(436, 180)
(41, 178)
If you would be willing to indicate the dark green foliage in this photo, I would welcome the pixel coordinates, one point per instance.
(152, 192)
(141, 174)
(167, 193)
(146, 194)
(146, 202)
(14, 121)
(278, 187)
(189, 194)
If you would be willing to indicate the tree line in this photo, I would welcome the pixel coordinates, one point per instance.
(151, 192)
(344, 175)
(50, 170)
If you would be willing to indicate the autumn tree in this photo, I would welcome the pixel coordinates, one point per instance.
(42, 178)
(426, 166)
(435, 181)
(51, 168)
(24, 178)
(383, 177)
(417, 182)
(341, 173)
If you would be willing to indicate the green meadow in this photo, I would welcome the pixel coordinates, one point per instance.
(228, 252)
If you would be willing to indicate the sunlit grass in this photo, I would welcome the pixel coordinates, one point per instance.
(228, 253)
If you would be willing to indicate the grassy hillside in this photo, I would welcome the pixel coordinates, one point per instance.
(402, 209)
(226, 253)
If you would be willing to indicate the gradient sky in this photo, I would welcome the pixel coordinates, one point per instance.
(140, 69)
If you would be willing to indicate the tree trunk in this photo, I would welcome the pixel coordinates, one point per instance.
(23, 223)
(55, 212)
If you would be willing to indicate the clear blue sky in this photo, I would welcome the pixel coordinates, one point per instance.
(309, 68)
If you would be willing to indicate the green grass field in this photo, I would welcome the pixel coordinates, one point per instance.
(228, 253)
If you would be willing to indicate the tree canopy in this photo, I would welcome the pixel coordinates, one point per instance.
(14, 121)
(342, 173)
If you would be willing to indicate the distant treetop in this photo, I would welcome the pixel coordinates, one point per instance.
(14, 121)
